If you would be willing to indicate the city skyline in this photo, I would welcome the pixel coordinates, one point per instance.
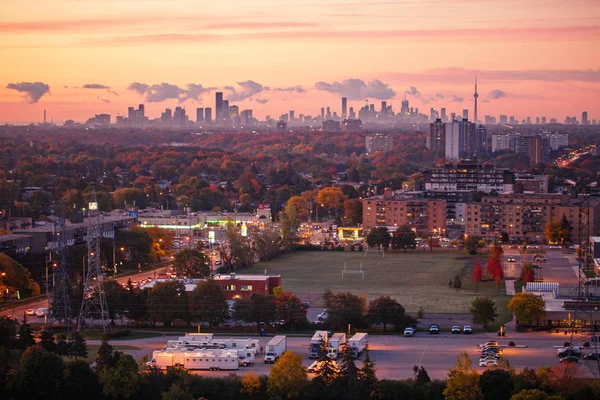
(273, 56)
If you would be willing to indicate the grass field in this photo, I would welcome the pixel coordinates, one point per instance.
(93, 350)
(415, 279)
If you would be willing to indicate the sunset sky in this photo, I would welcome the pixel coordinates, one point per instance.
(75, 58)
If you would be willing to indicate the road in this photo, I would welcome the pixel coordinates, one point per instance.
(395, 356)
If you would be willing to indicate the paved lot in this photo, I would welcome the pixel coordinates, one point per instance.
(395, 356)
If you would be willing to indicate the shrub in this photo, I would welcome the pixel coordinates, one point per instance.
(511, 344)
(119, 333)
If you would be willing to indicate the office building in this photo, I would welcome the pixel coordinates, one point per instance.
(322, 113)
(199, 115)
(584, 118)
(352, 125)
(465, 114)
(344, 107)
(378, 142)
(503, 119)
(208, 115)
(395, 209)
(352, 114)
(443, 115)
(218, 107)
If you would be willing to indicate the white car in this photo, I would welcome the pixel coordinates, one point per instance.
(40, 312)
(492, 343)
(316, 366)
(488, 363)
(467, 330)
(511, 259)
(455, 329)
(322, 315)
(408, 332)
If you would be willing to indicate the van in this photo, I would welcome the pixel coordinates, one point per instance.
(593, 282)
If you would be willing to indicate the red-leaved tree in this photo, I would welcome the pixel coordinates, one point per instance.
(494, 266)
(477, 275)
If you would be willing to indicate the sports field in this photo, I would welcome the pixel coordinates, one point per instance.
(415, 279)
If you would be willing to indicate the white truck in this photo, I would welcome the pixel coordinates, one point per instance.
(213, 360)
(274, 349)
(336, 343)
(357, 343)
(318, 339)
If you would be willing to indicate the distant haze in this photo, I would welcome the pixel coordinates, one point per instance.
(77, 59)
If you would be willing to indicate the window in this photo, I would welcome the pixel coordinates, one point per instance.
(228, 287)
(246, 288)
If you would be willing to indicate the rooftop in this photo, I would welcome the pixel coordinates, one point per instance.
(86, 223)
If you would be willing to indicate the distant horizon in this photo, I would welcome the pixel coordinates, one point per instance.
(271, 56)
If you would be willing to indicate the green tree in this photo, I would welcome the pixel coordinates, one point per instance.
(288, 224)
(16, 278)
(353, 212)
(47, 342)
(105, 355)
(129, 197)
(553, 231)
(193, 263)
(209, 303)
(404, 238)
(483, 311)
(345, 308)
(472, 244)
(379, 237)
(176, 392)
(463, 381)
(257, 308)
(385, 310)
(527, 307)
(423, 376)
(288, 377)
(25, 336)
(238, 252)
(367, 375)
(122, 381)
(40, 375)
(347, 380)
(78, 346)
(565, 230)
(496, 384)
(81, 382)
(266, 242)
(167, 301)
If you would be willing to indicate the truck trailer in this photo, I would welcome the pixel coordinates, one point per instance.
(336, 342)
(357, 343)
(274, 349)
(213, 360)
(319, 339)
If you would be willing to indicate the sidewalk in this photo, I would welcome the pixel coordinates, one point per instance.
(510, 287)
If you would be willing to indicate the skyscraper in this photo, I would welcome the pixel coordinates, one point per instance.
(322, 113)
(443, 115)
(218, 106)
(344, 107)
(404, 110)
(475, 96)
(437, 137)
(291, 115)
(466, 114)
(208, 114)
(199, 115)
(584, 118)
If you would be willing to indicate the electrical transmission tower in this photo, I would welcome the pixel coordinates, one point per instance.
(94, 309)
(59, 298)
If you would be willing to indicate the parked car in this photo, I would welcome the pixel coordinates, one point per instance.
(592, 356)
(455, 329)
(574, 349)
(306, 304)
(409, 332)
(488, 363)
(511, 259)
(539, 257)
(570, 360)
(467, 329)
(570, 353)
(434, 329)
(322, 314)
(491, 343)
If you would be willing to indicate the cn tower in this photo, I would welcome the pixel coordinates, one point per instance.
(475, 96)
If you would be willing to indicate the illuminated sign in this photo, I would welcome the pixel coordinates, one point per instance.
(93, 206)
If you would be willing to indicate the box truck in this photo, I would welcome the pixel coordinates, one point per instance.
(357, 343)
(274, 349)
(336, 342)
(318, 339)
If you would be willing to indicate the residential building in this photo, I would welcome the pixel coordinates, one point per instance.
(378, 142)
(436, 142)
(532, 183)
(352, 125)
(469, 175)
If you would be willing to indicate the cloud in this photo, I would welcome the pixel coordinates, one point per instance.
(33, 90)
(164, 91)
(95, 86)
(496, 94)
(195, 91)
(440, 95)
(140, 88)
(413, 91)
(457, 99)
(249, 89)
(298, 89)
(261, 101)
(103, 100)
(357, 89)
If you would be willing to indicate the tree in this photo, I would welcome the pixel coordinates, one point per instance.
(105, 355)
(477, 275)
(40, 374)
(379, 237)
(176, 392)
(347, 378)
(81, 381)
(300, 204)
(289, 309)
(251, 383)
(404, 238)
(209, 303)
(530, 394)
(483, 311)
(553, 231)
(122, 381)
(472, 244)
(385, 310)
(266, 242)
(527, 272)
(463, 381)
(332, 198)
(257, 308)
(238, 253)
(16, 278)
(494, 266)
(353, 212)
(527, 307)
(344, 308)
(193, 263)
(47, 342)
(167, 301)
(496, 384)
(288, 224)
(288, 377)
(123, 198)
(25, 337)
(367, 373)
(78, 346)
(566, 379)
(565, 230)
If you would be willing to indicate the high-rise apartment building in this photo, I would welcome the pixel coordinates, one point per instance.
(436, 142)
(219, 107)
(469, 175)
(456, 133)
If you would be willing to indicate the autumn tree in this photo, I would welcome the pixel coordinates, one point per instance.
(208, 303)
(353, 212)
(528, 307)
(251, 384)
(530, 394)
(483, 311)
(192, 263)
(477, 275)
(463, 381)
(527, 272)
(494, 264)
(379, 237)
(289, 224)
(331, 198)
(289, 309)
(128, 197)
(16, 278)
(553, 231)
(288, 377)
(566, 379)
(385, 310)
(404, 238)
(300, 204)
(345, 308)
